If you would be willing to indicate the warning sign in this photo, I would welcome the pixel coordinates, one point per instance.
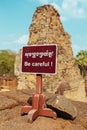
(39, 59)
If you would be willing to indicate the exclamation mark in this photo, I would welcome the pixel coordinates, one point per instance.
(51, 64)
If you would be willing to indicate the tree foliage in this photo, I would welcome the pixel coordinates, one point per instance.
(7, 59)
(81, 59)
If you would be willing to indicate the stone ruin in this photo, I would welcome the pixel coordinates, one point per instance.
(46, 27)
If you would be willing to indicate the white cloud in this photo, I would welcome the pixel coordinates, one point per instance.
(84, 3)
(76, 47)
(23, 39)
(43, 1)
(56, 6)
(73, 9)
(69, 8)
(47, 1)
(14, 42)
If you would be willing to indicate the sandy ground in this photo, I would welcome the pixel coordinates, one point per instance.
(11, 103)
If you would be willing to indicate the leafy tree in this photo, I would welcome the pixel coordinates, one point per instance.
(4, 68)
(7, 59)
(81, 59)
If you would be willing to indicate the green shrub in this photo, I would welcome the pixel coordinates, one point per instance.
(7, 59)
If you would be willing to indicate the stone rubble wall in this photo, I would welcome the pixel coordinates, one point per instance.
(25, 81)
(46, 27)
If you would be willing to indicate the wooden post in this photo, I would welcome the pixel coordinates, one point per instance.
(38, 83)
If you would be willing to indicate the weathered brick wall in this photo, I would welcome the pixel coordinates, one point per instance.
(8, 84)
(46, 27)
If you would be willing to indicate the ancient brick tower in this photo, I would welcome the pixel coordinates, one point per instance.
(46, 27)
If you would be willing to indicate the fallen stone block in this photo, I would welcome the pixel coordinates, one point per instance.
(62, 106)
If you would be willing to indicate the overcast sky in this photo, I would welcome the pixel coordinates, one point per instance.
(16, 17)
